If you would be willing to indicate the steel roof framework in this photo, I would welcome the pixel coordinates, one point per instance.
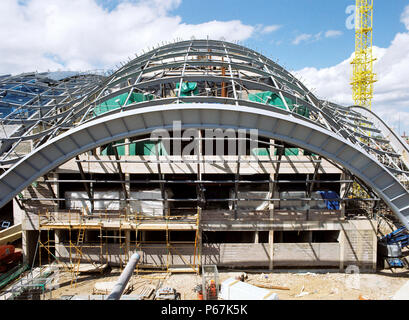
(330, 130)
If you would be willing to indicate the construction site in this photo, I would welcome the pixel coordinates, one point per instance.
(197, 167)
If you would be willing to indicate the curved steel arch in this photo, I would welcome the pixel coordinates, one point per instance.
(272, 125)
(398, 143)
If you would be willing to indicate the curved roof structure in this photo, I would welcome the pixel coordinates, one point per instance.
(203, 84)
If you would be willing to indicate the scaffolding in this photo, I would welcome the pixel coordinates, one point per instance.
(49, 222)
(119, 223)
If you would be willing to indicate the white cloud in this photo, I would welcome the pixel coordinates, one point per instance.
(405, 17)
(82, 35)
(333, 33)
(306, 37)
(391, 98)
(301, 38)
(270, 29)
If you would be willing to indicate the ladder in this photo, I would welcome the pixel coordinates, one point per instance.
(78, 249)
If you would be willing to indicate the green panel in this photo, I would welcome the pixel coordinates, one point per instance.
(270, 98)
(261, 152)
(188, 89)
(292, 151)
(132, 149)
(273, 99)
(147, 148)
(117, 102)
(109, 150)
(289, 152)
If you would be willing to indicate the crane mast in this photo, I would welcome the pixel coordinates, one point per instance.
(363, 78)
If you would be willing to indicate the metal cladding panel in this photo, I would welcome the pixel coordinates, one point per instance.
(66, 146)
(401, 201)
(210, 116)
(26, 170)
(134, 121)
(39, 161)
(15, 180)
(361, 162)
(300, 131)
(191, 117)
(83, 138)
(405, 213)
(334, 146)
(99, 131)
(369, 169)
(393, 191)
(5, 188)
(52, 152)
(248, 121)
(318, 139)
(384, 180)
(373, 171)
(228, 119)
(285, 128)
(266, 124)
(153, 119)
(172, 116)
(117, 127)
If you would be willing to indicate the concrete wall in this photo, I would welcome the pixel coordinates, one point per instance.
(30, 240)
(285, 255)
(360, 249)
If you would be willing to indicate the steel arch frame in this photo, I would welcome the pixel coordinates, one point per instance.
(272, 125)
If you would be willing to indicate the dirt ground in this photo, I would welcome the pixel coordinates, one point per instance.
(302, 286)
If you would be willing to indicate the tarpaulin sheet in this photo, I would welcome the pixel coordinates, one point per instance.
(252, 205)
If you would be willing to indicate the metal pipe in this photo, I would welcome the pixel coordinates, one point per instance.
(120, 285)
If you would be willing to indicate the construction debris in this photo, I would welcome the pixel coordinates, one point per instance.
(145, 291)
(167, 293)
(302, 292)
(104, 288)
(266, 286)
(242, 277)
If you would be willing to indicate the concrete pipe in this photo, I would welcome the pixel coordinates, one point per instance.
(120, 285)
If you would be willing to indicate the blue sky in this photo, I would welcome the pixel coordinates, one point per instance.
(295, 17)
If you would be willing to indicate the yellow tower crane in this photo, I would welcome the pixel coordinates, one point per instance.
(363, 78)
